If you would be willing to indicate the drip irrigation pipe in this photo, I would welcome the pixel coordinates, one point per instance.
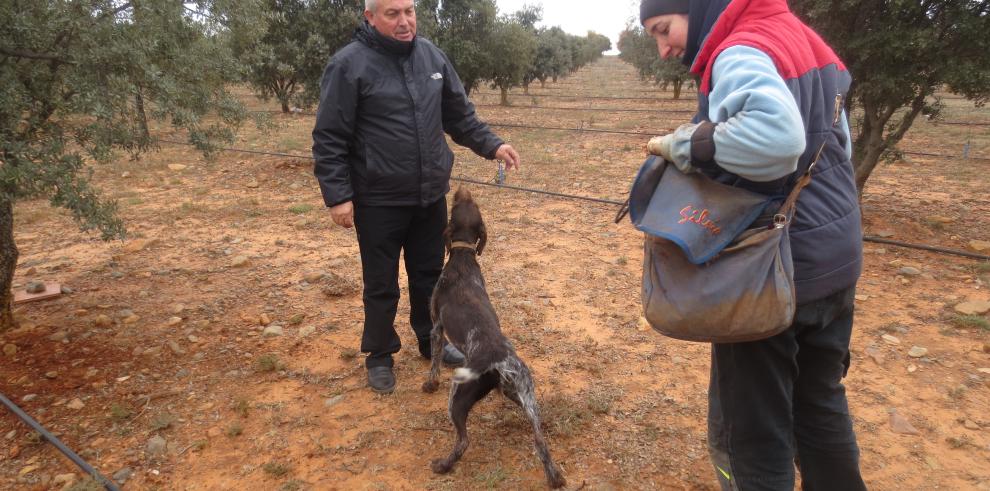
(606, 201)
(970, 255)
(28, 420)
(594, 109)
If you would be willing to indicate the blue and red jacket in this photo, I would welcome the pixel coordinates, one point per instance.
(770, 93)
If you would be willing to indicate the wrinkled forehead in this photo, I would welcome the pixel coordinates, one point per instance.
(399, 5)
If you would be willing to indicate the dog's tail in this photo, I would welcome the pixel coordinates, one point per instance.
(464, 375)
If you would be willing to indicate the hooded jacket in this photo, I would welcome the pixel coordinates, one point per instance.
(770, 94)
(384, 108)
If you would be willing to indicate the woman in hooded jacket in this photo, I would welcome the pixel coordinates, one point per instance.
(771, 94)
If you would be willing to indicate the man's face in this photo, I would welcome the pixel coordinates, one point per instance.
(670, 32)
(395, 19)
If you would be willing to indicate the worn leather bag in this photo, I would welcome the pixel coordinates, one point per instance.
(717, 260)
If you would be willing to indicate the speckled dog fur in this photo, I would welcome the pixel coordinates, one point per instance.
(462, 311)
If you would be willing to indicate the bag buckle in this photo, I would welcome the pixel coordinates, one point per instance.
(779, 221)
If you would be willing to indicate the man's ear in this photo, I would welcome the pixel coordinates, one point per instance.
(368, 15)
(482, 237)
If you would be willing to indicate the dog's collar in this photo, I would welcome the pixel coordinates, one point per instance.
(460, 244)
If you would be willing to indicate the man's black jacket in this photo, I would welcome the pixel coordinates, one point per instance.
(384, 108)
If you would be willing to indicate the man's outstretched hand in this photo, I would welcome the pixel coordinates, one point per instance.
(509, 155)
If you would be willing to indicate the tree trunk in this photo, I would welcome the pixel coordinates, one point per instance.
(505, 95)
(142, 115)
(526, 88)
(677, 89)
(543, 83)
(869, 146)
(8, 263)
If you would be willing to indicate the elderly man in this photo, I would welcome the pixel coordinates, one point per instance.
(383, 166)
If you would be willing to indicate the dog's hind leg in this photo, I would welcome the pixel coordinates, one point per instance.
(436, 355)
(517, 385)
(462, 398)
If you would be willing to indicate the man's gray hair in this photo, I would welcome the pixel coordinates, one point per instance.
(373, 4)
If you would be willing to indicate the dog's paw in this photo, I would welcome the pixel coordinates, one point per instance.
(430, 386)
(556, 481)
(441, 466)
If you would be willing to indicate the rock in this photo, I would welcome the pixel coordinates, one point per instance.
(314, 276)
(103, 321)
(884, 234)
(52, 375)
(177, 309)
(10, 350)
(979, 245)
(984, 371)
(35, 287)
(974, 307)
(59, 336)
(891, 340)
(10, 435)
(139, 245)
(239, 261)
(264, 319)
(64, 480)
(29, 469)
(306, 331)
(333, 401)
(152, 351)
(970, 425)
(912, 368)
(909, 271)
(177, 167)
(31, 271)
(174, 321)
(67, 291)
(874, 355)
(214, 433)
(297, 319)
(75, 404)
(125, 175)
(900, 425)
(156, 446)
(273, 330)
(917, 352)
(121, 476)
(193, 339)
(172, 345)
(29, 397)
(862, 298)
(253, 184)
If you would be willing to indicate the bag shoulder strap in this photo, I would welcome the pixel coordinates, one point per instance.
(786, 212)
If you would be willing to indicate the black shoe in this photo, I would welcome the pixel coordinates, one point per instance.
(452, 357)
(381, 380)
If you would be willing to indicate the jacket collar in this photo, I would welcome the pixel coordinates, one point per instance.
(370, 36)
(711, 21)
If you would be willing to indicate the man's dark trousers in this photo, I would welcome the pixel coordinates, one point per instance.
(384, 231)
(780, 400)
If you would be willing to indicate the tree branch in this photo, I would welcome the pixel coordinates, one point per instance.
(33, 56)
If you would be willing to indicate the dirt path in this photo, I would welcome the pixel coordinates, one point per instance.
(163, 336)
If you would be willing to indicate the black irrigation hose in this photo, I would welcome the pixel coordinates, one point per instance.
(594, 109)
(971, 255)
(639, 133)
(28, 420)
(460, 179)
(539, 191)
(607, 201)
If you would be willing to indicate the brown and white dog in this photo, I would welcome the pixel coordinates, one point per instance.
(462, 311)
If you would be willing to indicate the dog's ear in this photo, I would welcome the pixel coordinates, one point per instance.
(482, 236)
(446, 237)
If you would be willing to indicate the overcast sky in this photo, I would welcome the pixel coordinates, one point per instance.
(577, 17)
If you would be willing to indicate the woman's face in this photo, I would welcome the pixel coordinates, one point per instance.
(670, 32)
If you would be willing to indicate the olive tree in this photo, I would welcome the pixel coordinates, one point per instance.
(901, 53)
(284, 52)
(78, 80)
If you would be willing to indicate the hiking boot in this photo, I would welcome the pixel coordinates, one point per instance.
(452, 357)
(381, 380)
